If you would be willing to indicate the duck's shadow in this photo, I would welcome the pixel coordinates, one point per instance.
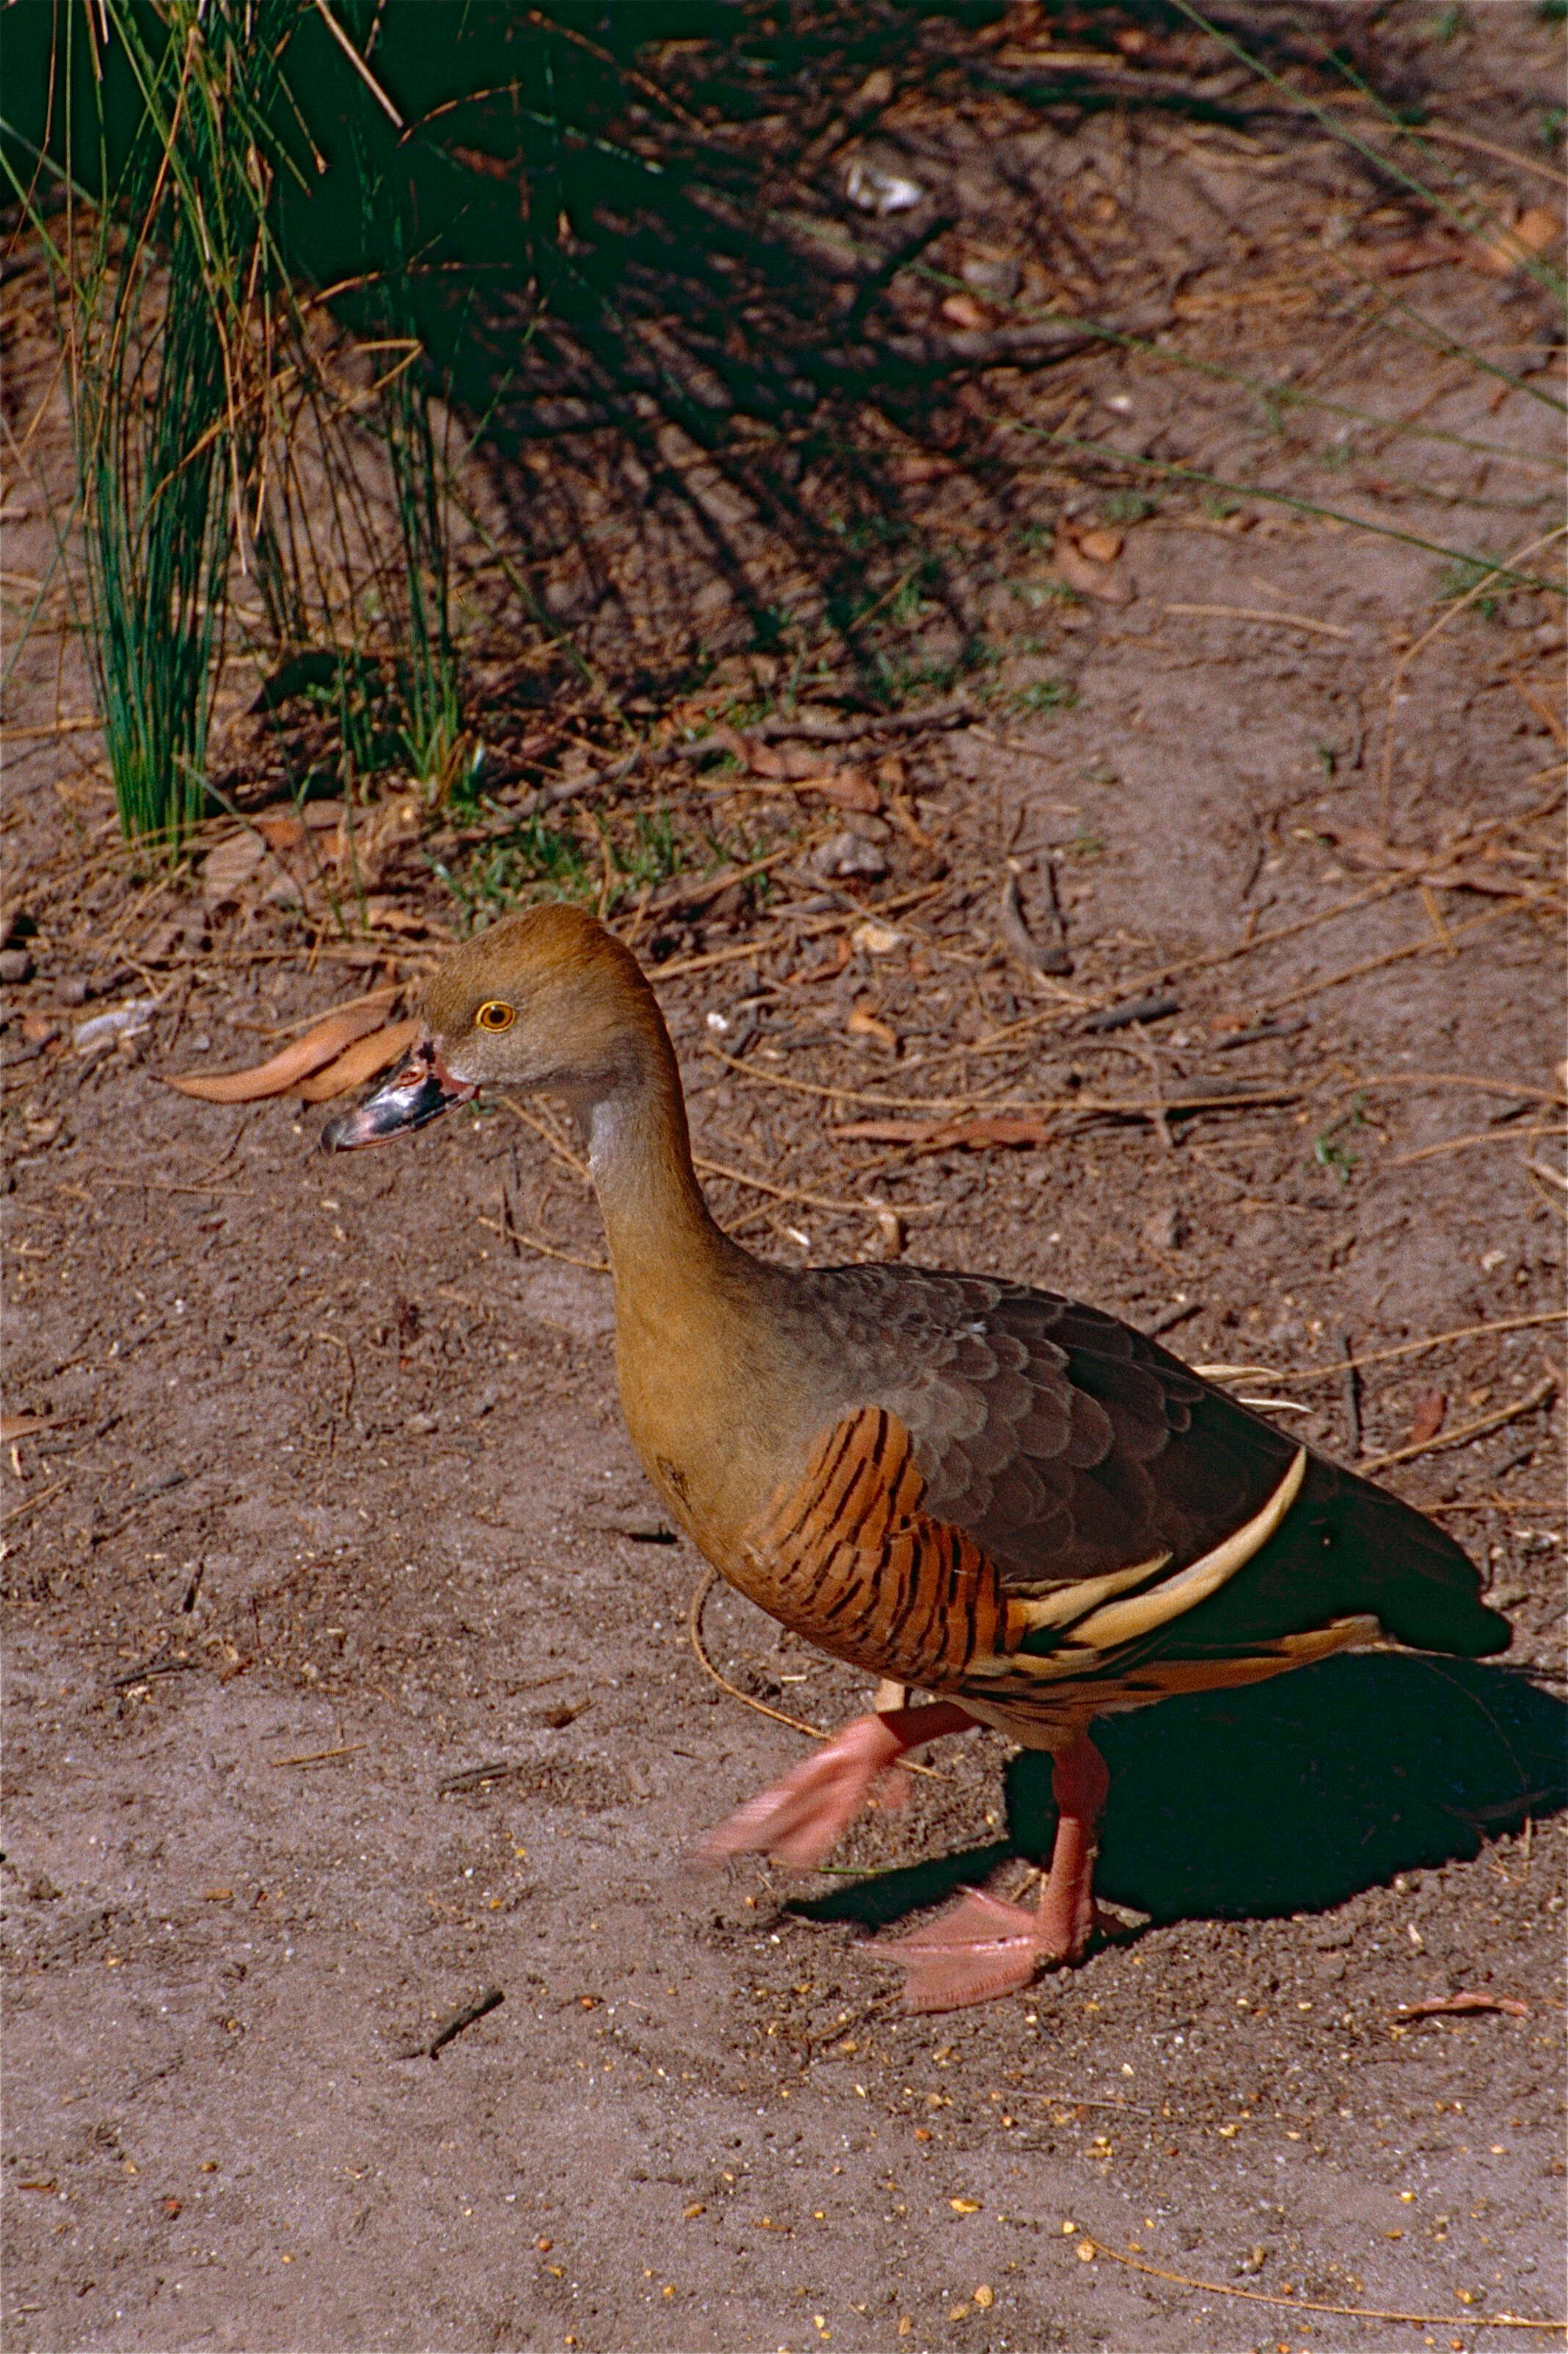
(1284, 1797)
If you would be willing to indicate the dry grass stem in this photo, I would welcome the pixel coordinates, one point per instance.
(510, 1233)
(1464, 1143)
(1463, 1432)
(1382, 1356)
(813, 1731)
(1489, 578)
(811, 1200)
(568, 1159)
(1255, 613)
(1307, 2305)
(1424, 946)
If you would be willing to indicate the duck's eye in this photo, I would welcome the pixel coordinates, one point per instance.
(495, 1014)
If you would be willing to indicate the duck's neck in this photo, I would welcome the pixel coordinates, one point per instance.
(663, 1241)
(696, 1350)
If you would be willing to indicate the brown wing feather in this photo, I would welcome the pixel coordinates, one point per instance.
(846, 1556)
(1051, 1433)
(1064, 1445)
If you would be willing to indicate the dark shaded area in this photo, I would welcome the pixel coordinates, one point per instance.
(627, 235)
(889, 1895)
(1288, 1796)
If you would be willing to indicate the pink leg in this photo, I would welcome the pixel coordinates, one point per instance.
(981, 1947)
(1080, 1782)
(798, 1817)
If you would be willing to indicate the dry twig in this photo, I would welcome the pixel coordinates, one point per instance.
(1449, 613)
(1464, 1431)
(1092, 2248)
(813, 1731)
(1384, 1356)
(510, 1233)
(812, 1201)
(1185, 1097)
(30, 1503)
(1255, 613)
(1048, 955)
(1422, 947)
(488, 1999)
(321, 1757)
(1463, 1144)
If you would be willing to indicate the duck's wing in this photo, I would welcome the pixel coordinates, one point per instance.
(1102, 1478)
(849, 1556)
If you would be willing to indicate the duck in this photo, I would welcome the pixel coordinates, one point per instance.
(963, 1485)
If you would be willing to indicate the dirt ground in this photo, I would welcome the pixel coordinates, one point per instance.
(328, 1508)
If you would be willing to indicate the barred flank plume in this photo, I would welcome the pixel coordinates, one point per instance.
(856, 1565)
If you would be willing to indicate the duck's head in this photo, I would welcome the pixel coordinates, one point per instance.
(546, 1000)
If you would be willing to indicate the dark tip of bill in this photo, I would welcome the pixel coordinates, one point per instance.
(409, 1101)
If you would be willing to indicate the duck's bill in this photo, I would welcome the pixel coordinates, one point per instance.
(411, 1098)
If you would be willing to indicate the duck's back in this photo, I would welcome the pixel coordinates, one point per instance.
(1067, 1446)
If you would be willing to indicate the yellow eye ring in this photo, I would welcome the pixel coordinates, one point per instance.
(495, 1014)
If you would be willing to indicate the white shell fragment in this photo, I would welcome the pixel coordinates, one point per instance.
(874, 188)
(875, 939)
(105, 1028)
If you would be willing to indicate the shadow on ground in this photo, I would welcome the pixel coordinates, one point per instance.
(1287, 1798)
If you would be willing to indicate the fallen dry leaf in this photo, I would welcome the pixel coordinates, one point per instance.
(311, 1052)
(1538, 227)
(230, 864)
(360, 1062)
(1368, 848)
(286, 829)
(849, 788)
(1428, 1418)
(903, 817)
(1101, 546)
(862, 1023)
(21, 1426)
(732, 740)
(963, 311)
(1532, 233)
(1405, 256)
(1437, 2005)
(1089, 580)
(875, 939)
(387, 915)
(980, 1135)
(364, 840)
(887, 1131)
(830, 965)
(920, 466)
(760, 758)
